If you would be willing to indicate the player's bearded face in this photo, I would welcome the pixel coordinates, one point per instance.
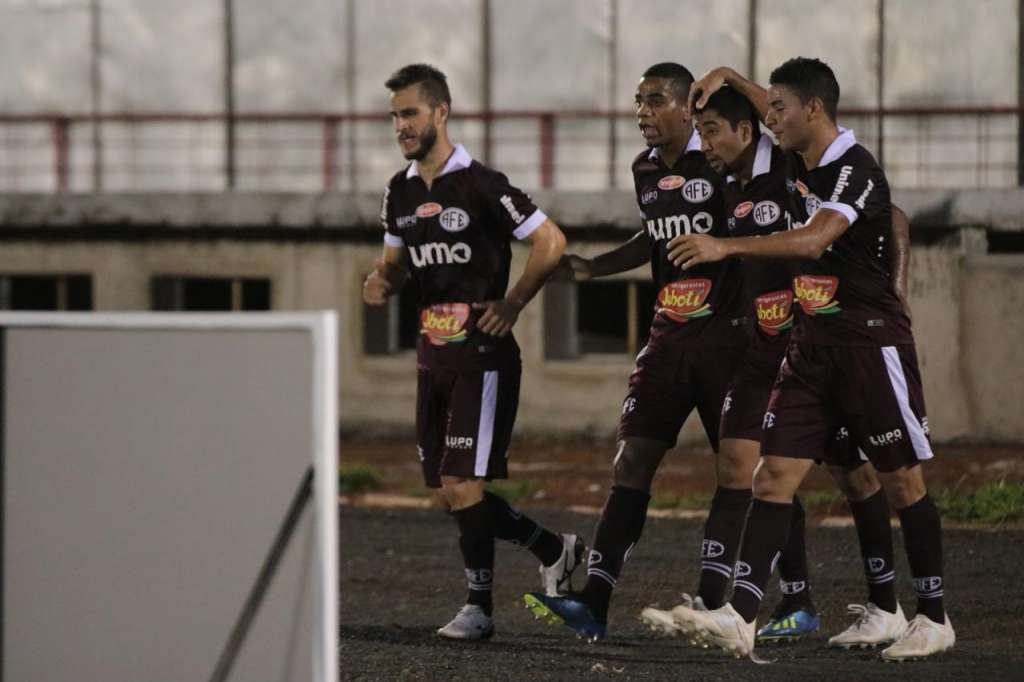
(415, 122)
(788, 118)
(660, 117)
(421, 143)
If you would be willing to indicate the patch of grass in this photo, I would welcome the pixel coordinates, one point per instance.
(820, 498)
(357, 478)
(513, 491)
(992, 503)
(685, 501)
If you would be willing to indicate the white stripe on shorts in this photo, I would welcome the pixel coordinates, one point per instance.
(485, 430)
(922, 448)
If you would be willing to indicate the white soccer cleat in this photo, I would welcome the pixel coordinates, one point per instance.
(922, 638)
(873, 626)
(556, 579)
(723, 627)
(663, 622)
(469, 623)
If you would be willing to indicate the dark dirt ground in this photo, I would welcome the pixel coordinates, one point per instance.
(401, 578)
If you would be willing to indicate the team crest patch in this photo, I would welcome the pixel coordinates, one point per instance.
(698, 190)
(743, 209)
(445, 323)
(428, 210)
(815, 294)
(670, 182)
(766, 213)
(454, 219)
(684, 300)
(774, 312)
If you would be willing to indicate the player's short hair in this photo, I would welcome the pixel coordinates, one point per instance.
(728, 103)
(433, 83)
(810, 78)
(679, 77)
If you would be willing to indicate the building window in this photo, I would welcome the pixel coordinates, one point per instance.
(392, 327)
(606, 317)
(171, 292)
(45, 292)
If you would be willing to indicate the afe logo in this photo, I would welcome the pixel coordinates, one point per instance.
(812, 203)
(769, 420)
(697, 191)
(742, 569)
(454, 220)
(711, 549)
(875, 564)
(766, 213)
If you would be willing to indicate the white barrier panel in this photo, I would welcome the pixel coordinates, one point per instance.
(148, 463)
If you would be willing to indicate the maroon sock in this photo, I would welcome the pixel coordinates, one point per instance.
(722, 532)
(765, 536)
(874, 532)
(618, 530)
(511, 525)
(922, 537)
(794, 580)
(476, 540)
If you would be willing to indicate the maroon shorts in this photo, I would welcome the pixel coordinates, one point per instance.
(874, 392)
(747, 396)
(668, 383)
(465, 412)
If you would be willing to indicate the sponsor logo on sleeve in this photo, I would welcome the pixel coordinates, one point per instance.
(648, 197)
(774, 312)
(428, 210)
(816, 293)
(404, 221)
(445, 323)
(698, 190)
(743, 209)
(454, 219)
(684, 300)
(842, 182)
(671, 182)
(863, 198)
(513, 212)
(766, 213)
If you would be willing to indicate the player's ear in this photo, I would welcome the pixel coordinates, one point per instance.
(746, 131)
(441, 112)
(815, 108)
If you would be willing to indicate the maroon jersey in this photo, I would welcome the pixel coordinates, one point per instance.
(846, 297)
(698, 307)
(458, 236)
(761, 208)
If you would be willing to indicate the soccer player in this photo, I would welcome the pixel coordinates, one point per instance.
(696, 339)
(851, 357)
(448, 224)
(757, 203)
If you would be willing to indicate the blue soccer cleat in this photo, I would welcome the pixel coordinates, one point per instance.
(568, 611)
(789, 627)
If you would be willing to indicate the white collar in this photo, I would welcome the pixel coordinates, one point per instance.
(839, 146)
(459, 160)
(692, 146)
(762, 158)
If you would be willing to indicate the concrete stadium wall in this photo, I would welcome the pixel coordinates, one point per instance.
(966, 302)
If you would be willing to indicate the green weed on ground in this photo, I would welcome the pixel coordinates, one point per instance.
(992, 503)
(513, 491)
(357, 478)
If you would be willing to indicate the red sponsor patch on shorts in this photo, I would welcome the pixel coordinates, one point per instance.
(445, 323)
(671, 182)
(774, 312)
(743, 209)
(815, 294)
(427, 210)
(685, 299)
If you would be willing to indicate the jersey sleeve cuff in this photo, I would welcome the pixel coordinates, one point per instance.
(849, 211)
(393, 241)
(530, 224)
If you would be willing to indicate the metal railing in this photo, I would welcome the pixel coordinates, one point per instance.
(320, 151)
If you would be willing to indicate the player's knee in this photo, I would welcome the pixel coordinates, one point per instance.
(904, 487)
(775, 480)
(635, 465)
(736, 462)
(460, 493)
(857, 484)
